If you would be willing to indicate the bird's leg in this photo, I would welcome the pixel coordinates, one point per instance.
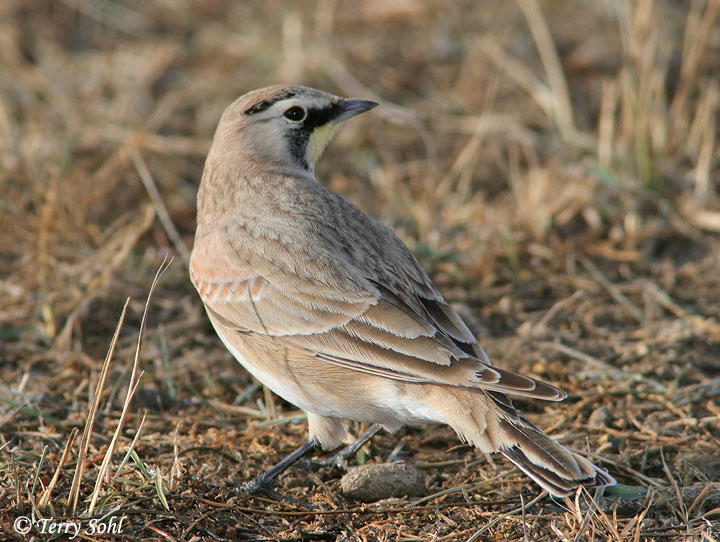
(262, 483)
(350, 450)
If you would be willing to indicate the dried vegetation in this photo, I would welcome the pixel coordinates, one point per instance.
(553, 164)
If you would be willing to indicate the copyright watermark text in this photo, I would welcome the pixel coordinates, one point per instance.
(72, 527)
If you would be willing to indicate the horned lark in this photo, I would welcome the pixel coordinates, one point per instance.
(328, 308)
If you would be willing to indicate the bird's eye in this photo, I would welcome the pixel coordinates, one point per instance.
(295, 114)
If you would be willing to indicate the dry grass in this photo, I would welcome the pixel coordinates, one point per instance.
(554, 165)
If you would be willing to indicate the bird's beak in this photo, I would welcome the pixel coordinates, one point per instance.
(322, 135)
(354, 106)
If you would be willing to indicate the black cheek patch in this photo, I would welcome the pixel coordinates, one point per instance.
(319, 117)
(297, 141)
(299, 136)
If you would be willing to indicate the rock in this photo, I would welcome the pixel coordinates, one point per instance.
(600, 418)
(373, 482)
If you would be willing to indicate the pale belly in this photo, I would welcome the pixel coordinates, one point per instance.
(279, 384)
(359, 397)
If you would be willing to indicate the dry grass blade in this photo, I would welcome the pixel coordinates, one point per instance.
(521, 75)
(562, 106)
(524, 519)
(135, 377)
(591, 511)
(497, 520)
(160, 491)
(459, 489)
(45, 497)
(389, 111)
(32, 493)
(702, 136)
(112, 14)
(131, 447)
(160, 208)
(605, 367)
(540, 327)
(607, 123)
(612, 290)
(90, 420)
(682, 512)
(698, 29)
(640, 517)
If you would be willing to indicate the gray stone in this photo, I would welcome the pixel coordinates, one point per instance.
(373, 482)
(600, 418)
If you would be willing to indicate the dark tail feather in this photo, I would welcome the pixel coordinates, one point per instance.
(552, 466)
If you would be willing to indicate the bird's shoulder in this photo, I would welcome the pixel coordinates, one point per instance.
(309, 230)
(303, 239)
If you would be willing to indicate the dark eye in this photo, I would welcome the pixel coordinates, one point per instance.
(295, 114)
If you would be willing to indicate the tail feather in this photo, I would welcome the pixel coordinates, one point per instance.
(492, 424)
(551, 465)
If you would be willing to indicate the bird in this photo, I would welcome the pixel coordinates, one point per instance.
(329, 309)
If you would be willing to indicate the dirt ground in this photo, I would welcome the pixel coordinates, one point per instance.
(553, 165)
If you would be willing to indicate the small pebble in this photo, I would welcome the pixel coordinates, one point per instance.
(600, 418)
(373, 482)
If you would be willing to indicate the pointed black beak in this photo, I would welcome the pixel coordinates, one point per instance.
(354, 106)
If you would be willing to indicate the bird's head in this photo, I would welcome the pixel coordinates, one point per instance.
(285, 127)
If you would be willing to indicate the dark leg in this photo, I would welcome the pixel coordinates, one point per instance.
(263, 482)
(339, 458)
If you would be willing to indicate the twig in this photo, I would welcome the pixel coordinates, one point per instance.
(450, 491)
(599, 364)
(612, 290)
(540, 326)
(505, 515)
(160, 208)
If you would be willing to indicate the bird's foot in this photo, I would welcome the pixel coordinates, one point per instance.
(263, 483)
(261, 486)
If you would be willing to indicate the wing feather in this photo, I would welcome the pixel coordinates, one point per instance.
(366, 306)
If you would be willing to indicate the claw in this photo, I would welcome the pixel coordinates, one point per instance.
(263, 483)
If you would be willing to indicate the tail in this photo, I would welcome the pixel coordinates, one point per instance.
(552, 466)
(489, 421)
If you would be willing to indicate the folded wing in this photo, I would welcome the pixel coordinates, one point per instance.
(398, 332)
